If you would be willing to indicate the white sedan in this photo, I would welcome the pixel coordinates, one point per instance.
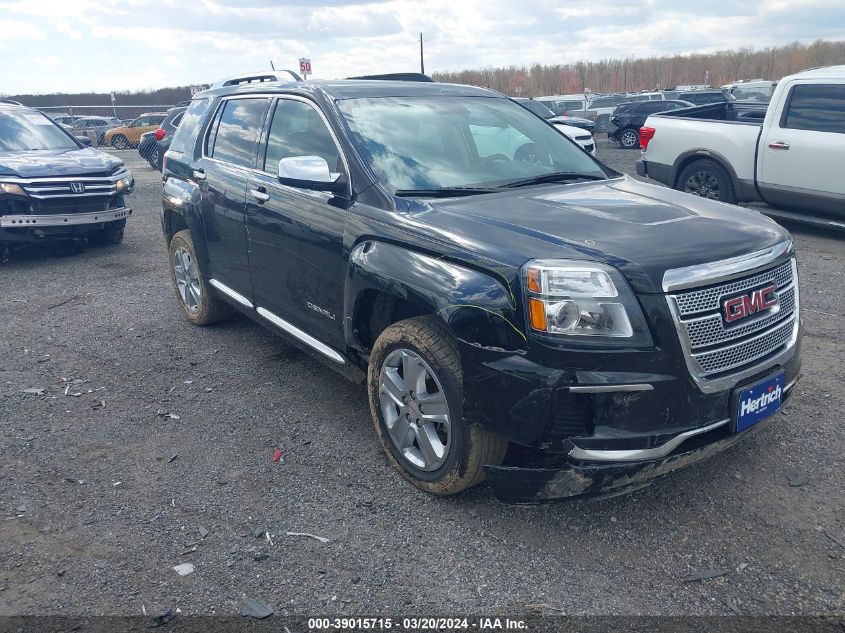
(579, 135)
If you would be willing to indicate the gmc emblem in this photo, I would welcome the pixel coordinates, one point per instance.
(737, 308)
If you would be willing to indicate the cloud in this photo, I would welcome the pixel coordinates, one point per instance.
(126, 44)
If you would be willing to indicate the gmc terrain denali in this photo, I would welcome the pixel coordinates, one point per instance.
(53, 186)
(518, 309)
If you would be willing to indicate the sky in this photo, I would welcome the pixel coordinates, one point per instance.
(103, 45)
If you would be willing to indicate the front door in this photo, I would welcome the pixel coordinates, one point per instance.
(296, 235)
(801, 155)
(223, 172)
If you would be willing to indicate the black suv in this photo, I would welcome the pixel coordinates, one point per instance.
(628, 118)
(517, 309)
(52, 185)
(154, 144)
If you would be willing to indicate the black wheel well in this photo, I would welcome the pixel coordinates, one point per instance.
(173, 223)
(376, 310)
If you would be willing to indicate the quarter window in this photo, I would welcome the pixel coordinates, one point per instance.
(298, 130)
(820, 108)
(236, 131)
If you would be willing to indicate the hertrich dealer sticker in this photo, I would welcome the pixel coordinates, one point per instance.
(759, 402)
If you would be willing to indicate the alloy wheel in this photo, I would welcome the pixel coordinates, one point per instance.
(629, 139)
(704, 184)
(187, 279)
(415, 410)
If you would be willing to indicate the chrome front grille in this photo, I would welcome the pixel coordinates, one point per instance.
(716, 350)
(707, 299)
(45, 188)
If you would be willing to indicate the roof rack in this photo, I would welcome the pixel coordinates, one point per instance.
(262, 76)
(397, 77)
(10, 102)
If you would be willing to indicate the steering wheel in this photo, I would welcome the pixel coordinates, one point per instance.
(495, 158)
(530, 153)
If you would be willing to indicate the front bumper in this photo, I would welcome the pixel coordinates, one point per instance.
(29, 221)
(512, 484)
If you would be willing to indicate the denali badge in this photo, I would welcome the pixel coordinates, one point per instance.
(745, 305)
(320, 310)
(77, 187)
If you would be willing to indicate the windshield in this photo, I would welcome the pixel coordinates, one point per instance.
(23, 131)
(433, 142)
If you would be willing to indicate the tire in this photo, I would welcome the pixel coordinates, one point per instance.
(112, 235)
(467, 448)
(120, 142)
(153, 159)
(603, 123)
(708, 179)
(204, 309)
(629, 138)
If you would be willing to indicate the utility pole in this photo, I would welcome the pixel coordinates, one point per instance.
(422, 63)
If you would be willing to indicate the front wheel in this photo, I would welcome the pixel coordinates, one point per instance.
(603, 123)
(629, 138)
(415, 392)
(120, 142)
(708, 179)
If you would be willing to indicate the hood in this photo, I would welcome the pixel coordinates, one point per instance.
(46, 163)
(641, 229)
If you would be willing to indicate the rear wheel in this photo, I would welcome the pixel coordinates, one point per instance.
(120, 142)
(154, 158)
(415, 391)
(629, 138)
(708, 179)
(196, 302)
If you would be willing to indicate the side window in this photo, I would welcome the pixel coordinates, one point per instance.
(237, 131)
(820, 108)
(156, 120)
(140, 121)
(177, 120)
(298, 130)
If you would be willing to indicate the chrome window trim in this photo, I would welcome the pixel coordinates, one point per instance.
(279, 97)
(211, 126)
(233, 294)
(724, 270)
(306, 338)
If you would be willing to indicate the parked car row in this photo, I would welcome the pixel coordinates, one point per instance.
(154, 144)
(106, 130)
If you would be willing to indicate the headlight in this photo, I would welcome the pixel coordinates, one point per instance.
(11, 189)
(583, 300)
(126, 184)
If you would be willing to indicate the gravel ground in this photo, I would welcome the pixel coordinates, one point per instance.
(103, 489)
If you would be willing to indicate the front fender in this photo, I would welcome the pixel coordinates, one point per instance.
(479, 307)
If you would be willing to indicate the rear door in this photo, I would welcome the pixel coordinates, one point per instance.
(802, 152)
(296, 235)
(222, 172)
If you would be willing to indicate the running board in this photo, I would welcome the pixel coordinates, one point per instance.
(294, 331)
(232, 294)
(800, 218)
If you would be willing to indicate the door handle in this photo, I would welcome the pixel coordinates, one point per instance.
(779, 145)
(199, 174)
(258, 194)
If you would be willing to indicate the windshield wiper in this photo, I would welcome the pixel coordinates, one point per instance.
(442, 192)
(559, 176)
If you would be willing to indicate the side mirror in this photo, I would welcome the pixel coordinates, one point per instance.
(308, 172)
(84, 140)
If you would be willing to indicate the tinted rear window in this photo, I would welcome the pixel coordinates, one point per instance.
(235, 138)
(183, 140)
(820, 108)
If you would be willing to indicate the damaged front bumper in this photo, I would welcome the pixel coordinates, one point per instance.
(578, 478)
(30, 221)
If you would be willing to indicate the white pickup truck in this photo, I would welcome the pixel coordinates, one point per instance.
(790, 155)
